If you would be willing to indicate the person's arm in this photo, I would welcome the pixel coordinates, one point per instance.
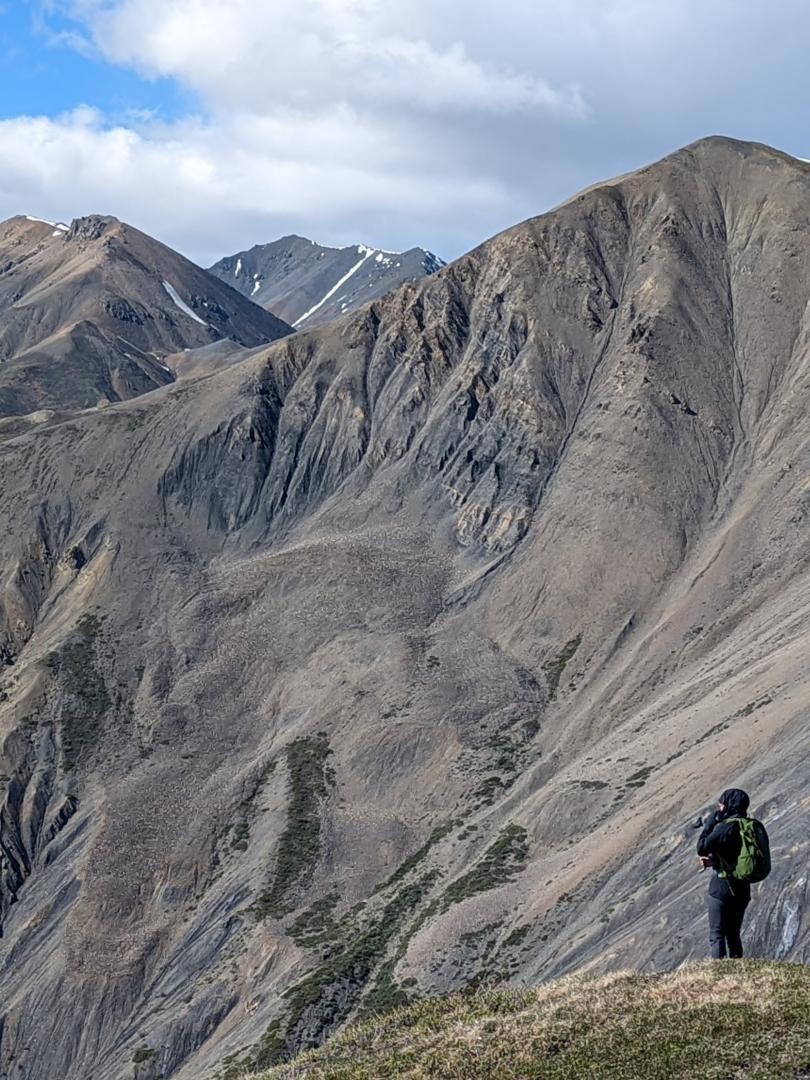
(712, 841)
(706, 838)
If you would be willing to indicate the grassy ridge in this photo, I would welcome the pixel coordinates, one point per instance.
(733, 1019)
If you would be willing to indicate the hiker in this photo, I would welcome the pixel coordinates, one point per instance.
(736, 848)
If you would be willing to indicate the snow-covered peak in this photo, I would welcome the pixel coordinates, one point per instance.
(432, 262)
(361, 249)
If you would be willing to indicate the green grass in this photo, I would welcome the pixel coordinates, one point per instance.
(299, 847)
(553, 669)
(732, 1020)
(502, 860)
(86, 698)
(324, 997)
(413, 861)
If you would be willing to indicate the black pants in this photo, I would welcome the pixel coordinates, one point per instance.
(725, 923)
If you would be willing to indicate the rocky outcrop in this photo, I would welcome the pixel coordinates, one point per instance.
(407, 653)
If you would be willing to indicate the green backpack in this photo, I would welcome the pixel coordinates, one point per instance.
(754, 861)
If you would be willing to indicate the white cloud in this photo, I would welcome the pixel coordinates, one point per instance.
(432, 121)
(330, 117)
(307, 53)
(207, 188)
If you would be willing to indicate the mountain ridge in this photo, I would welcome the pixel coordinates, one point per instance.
(624, 1024)
(310, 284)
(438, 629)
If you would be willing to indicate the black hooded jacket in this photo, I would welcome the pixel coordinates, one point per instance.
(720, 840)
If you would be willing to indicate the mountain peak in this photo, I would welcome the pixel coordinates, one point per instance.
(92, 226)
(91, 310)
(309, 284)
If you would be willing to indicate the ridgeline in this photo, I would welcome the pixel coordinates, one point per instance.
(717, 1021)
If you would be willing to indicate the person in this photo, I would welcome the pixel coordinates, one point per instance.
(719, 848)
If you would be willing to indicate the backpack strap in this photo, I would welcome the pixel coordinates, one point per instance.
(727, 871)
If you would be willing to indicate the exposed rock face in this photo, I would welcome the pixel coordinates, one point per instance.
(310, 285)
(89, 312)
(408, 652)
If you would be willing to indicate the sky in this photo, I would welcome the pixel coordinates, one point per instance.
(217, 124)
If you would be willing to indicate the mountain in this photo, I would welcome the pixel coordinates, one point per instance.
(88, 313)
(309, 285)
(406, 654)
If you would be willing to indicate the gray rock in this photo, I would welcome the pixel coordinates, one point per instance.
(310, 285)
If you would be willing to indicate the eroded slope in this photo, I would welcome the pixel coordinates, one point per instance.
(406, 654)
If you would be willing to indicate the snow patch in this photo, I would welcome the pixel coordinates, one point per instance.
(367, 253)
(170, 289)
(238, 269)
(57, 226)
(257, 284)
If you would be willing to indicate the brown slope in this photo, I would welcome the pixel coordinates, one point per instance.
(86, 316)
(407, 653)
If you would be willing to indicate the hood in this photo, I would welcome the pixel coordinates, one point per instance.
(735, 801)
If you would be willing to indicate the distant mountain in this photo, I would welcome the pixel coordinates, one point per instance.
(309, 285)
(89, 311)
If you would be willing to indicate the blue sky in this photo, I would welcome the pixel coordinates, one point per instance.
(42, 74)
(215, 124)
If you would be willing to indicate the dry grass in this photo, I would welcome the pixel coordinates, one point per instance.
(725, 1021)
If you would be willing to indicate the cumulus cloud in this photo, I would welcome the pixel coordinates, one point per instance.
(206, 187)
(330, 117)
(433, 122)
(239, 54)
